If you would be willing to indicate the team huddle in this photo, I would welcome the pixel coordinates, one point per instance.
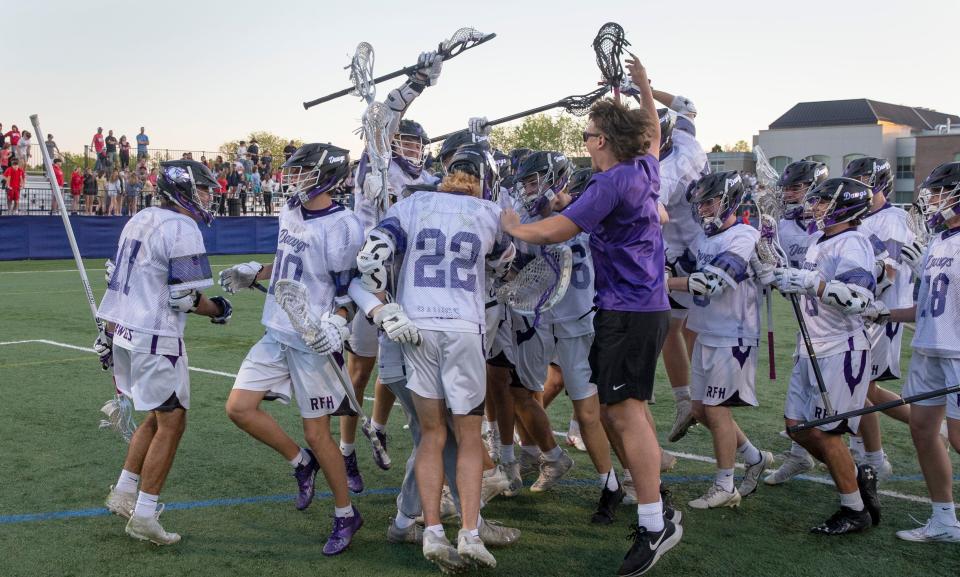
(407, 282)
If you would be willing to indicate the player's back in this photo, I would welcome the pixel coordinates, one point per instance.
(938, 308)
(794, 240)
(888, 231)
(686, 163)
(366, 209)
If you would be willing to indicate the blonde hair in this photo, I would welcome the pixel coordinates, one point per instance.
(461, 182)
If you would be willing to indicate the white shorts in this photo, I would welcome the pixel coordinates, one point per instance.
(449, 366)
(724, 376)
(846, 376)
(391, 367)
(928, 373)
(571, 354)
(499, 337)
(283, 372)
(363, 340)
(151, 380)
(885, 341)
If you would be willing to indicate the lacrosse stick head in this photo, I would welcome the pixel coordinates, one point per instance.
(917, 223)
(579, 105)
(313, 170)
(361, 72)
(540, 284)
(119, 412)
(292, 296)
(608, 48)
(462, 39)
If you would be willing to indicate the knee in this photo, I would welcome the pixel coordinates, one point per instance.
(237, 413)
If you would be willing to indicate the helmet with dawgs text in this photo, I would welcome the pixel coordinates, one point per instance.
(797, 178)
(312, 170)
(668, 121)
(189, 185)
(410, 147)
(541, 176)
(842, 200)
(455, 141)
(939, 195)
(714, 198)
(872, 171)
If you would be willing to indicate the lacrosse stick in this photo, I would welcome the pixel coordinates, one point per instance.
(361, 72)
(119, 409)
(292, 296)
(918, 224)
(540, 284)
(608, 47)
(873, 409)
(462, 40)
(578, 105)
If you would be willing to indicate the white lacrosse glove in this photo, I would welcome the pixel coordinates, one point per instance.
(838, 295)
(876, 313)
(628, 88)
(332, 333)
(884, 280)
(184, 301)
(704, 284)
(396, 324)
(103, 346)
(797, 281)
(479, 125)
(110, 267)
(372, 186)
(912, 255)
(428, 68)
(764, 272)
(240, 276)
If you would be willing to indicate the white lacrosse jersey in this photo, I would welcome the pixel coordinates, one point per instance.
(397, 180)
(846, 257)
(888, 231)
(731, 318)
(938, 308)
(794, 240)
(686, 163)
(318, 248)
(443, 239)
(160, 250)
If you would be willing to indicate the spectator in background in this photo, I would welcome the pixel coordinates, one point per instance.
(89, 191)
(266, 164)
(203, 161)
(269, 189)
(103, 202)
(23, 149)
(110, 143)
(113, 187)
(288, 151)
(254, 151)
(15, 177)
(98, 149)
(76, 189)
(14, 136)
(52, 149)
(152, 178)
(218, 164)
(142, 142)
(58, 174)
(148, 188)
(5, 155)
(133, 190)
(222, 193)
(124, 152)
(253, 185)
(3, 137)
(242, 154)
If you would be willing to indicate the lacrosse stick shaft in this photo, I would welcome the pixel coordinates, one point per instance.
(873, 409)
(824, 396)
(768, 296)
(516, 116)
(365, 423)
(403, 71)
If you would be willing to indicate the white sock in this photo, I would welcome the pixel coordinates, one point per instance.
(856, 445)
(343, 511)
(851, 501)
(506, 454)
(436, 530)
(402, 521)
(146, 505)
(748, 453)
(650, 515)
(875, 458)
(127, 483)
(346, 449)
(302, 458)
(484, 426)
(797, 450)
(681, 393)
(724, 479)
(945, 513)
(553, 454)
(609, 480)
(532, 450)
(377, 426)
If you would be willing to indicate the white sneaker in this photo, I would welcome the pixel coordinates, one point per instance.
(885, 470)
(933, 532)
(412, 534)
(716, 497)
(791, 467)
(438, 550)
(121, 503)
(683, 420)
(491, 440)
(752, 476)
(448, 509)
(629, 491)
(551, 472)
(472, 550)
(574, 439)
(512, 471)
(149, 529)
(493, 485)
(495, 534)
(667, 461)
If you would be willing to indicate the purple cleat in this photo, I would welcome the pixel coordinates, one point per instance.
(343, 531)
(306, 474)
(380, 455)
(354, 479)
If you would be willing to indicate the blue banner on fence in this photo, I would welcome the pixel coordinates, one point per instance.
(43, 237)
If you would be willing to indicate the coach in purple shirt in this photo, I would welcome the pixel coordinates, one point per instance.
(619, 209)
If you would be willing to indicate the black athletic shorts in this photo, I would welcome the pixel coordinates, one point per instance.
(623, 358)
(675, 305)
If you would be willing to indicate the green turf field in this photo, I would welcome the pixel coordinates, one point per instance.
(231, 498)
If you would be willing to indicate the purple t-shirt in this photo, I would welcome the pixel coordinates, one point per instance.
(619, 210)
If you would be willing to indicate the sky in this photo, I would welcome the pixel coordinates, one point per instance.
(199, 73)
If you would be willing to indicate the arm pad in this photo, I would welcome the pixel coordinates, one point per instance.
(371, 260)
(400, 99)
(840, 296)
(184, 301)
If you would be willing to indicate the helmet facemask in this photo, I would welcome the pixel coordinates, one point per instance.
(939, 205)
(537, 191)
(409, 150)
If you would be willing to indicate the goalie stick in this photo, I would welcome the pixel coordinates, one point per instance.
(119, 409)
(873, 409)
(540, 284)
(462, 40)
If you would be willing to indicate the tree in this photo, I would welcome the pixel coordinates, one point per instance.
(716, 148)
(542, 132)
(740, 146)
(265, 140)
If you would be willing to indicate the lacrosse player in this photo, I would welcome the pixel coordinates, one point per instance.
(936, 349)
(317, 245)
(408, 142)
(836, 283)
(440, 237)
(160, 267)
(797, 178)
(619, 209)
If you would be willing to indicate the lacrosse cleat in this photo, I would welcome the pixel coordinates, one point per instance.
(844, 521)
(933, 532)
(493, 485)
(683, 421)
(607, 507)
(149, 529)
(306, 475)
(867, 483)
(752, 476)
(551, 472)
(412, 534)
(120, 503)
(494, 534)
(342, 534)
(512, 471)
(354, 478)
(438, 550)
(380, 456)
(792, 466)
(472, 550)
(715, 498)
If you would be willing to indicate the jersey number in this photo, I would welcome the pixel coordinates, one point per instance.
(114, 284)
(427, 270)
(580, 275)
(938, 294)
(281, 268)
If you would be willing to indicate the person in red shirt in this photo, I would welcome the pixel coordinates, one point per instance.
(98, 147)
(15, 177)
(5, 152)
(14, 136)
(58, 174)
(76, 188)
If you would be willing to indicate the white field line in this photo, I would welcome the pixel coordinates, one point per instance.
(75, 270)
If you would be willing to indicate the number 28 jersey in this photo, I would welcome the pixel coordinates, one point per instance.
(938, 308)
(442, 239)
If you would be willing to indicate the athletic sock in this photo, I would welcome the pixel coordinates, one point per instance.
(875, 458)
(748, 453)
(343, 511)
(851, 501)
(484, 427)
(945, 513)
(506, 454)
(532, 450)
(609, 481)
(681, 393)
(436, 530)
(346, 449)
(553, 454)
(146, 505)
(402, 521)
(302, 458)
(377, 426)
(797, 450)
(650, 515)
(127, 483)
(856, 446)
(724, 479)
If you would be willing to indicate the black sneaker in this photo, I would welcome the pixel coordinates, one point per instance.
(607, 507)
(867, 482)
(648, 547)
(670, 513)
(844, 521)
